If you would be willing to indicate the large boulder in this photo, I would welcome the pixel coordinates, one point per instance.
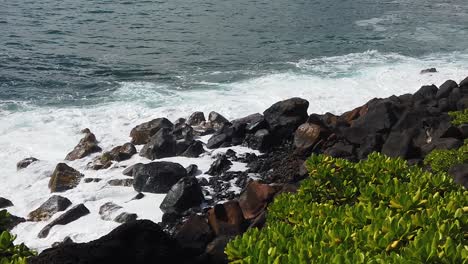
(196, 119)
(446, 88)
(138, 242)
(399, 145)
(194, 234)
(161, 145)
(185, 194)
(4, 203)
(87, 145)
(120, 153)
(217, 141)
(262, 140)
(217, 120)
(64, 178)
(53, 205)
(194, 149)
(380, 117)
(286, 116)
(142, 133)
(69, 216)
(157, 177)
(22, 164)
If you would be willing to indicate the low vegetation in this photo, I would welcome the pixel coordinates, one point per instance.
(379, 210)
(459, 117)
(9, 252)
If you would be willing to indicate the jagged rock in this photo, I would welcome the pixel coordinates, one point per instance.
(142, 133)
(399, 145)
(192, 170)
(460, 174)
(121, 182)
(203, 182)
(217, 120)
(183, 131)
(262, 140)
(129, 170)
(125, 218)
(194, 150)
(69, 216)
(87, 145)
(64, 178)
(426, 92)
(429, 70)
(88, 180)
(135, 242)
(50, 207)
(380, 117)
(194, 234)
(445, 89)
(157, 177)
(196, 119)
(219, 166)
(4, 203)
(139, 196)
(227, 219)
(160, 145)
(286, 116)
(22, 164)
(185, 194)
(108, 210)
(255, 197)
(119, 153)
(10, 221)
(217, 141)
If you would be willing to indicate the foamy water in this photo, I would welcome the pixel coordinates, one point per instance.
(333, 84)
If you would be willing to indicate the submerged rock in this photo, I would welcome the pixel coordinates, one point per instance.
(22, 164)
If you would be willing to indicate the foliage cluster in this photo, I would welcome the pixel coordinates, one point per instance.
(380, 210)
(459, 117)
(440, 160)
(9, 252)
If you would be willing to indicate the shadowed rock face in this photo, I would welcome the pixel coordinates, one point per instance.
(185, 194)
(136, 242)
(64, 178)
(157, 177)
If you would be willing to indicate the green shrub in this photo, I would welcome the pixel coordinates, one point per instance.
(379, 210)
(459, 117)
(442, 160)
(9, 252)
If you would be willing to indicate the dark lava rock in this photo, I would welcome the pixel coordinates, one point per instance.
(217, 120)
(139, 196)
(69, 216)
(88, 180)
(66, 241)
(22, 164)
(196, 119)
(4, 203)
(445, 89)
(441, 143)
(286, 116)
(125, 217)
(262, 140)
(185, 194)
(380, 117)
(429, 70)
(119, 153)
(157, 177)
(183, 131)
(203, 182)
(399, 145)
(50, 207)
(64, 178)
(192, 170)
(138, 242)
(217, 141)
(220, 165)
(108, 210)
(194, 234)
(215, 250)
(227, 219)
(87, 145)
(121, 182)
(460, 174)
(9, 222)
(129, 170)
(425, 92)
(160, 145)
(341, 150)
(194, 150)
(142, 133)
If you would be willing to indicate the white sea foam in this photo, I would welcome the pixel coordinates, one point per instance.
(334, 84)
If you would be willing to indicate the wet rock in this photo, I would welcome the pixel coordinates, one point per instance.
(255, 197)
(183, 131)
(50, 207)
(142, 133)
(185, 194)
(203, 182)
(262, 140)
(460, 174)
(445, 89)
(139, 196)
(286, 116)
(22, 164)
(217, 141)
(4, 203)
(429, 70)
(307, 135)
(220, 165)
(129, 170)
(119, 153)
(125, 218)
(227, 219)
(194, 150)
(66, 241)
(108, 210)
(135, 242)
(194, 234)
(87, 145)
(10, 221)
(88, 180)
(69, 216)
(192, 170)
(217, 120)
(157, 177)
(161, 145)
(64, 178)
(196, 119)
(121, 182)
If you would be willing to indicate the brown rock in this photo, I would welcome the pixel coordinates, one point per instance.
(255, 197)
(64, 178)
(143, 132)
(306, 136)
(53, 205)
(87, 145)
(227, 219)
(194, 234)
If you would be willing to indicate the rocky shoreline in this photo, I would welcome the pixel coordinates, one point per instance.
(202, 214)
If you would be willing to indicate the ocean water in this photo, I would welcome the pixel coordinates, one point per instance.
(110, 65)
